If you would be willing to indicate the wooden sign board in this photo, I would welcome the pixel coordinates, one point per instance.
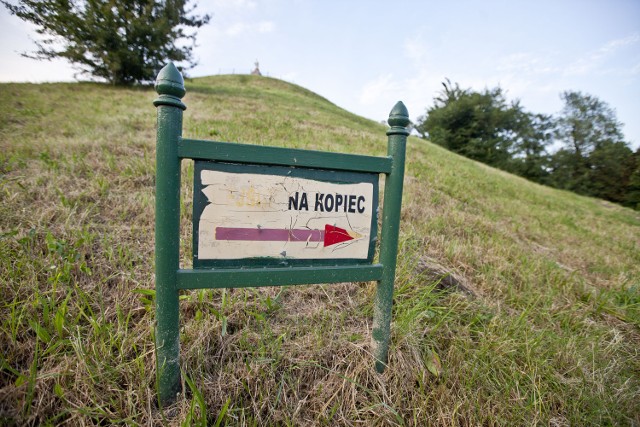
(282, 216)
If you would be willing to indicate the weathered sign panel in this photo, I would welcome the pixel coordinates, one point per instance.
(282, 216)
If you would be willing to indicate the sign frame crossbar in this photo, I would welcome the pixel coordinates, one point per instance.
(197, 149)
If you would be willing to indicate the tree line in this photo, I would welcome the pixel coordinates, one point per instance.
(581, 149)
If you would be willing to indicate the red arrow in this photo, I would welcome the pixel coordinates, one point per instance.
(334, 235)
(330, 236)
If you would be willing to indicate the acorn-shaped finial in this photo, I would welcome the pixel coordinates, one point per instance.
(399, 119)
(170, 87)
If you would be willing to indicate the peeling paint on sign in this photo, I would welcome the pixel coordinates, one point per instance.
(256, 215)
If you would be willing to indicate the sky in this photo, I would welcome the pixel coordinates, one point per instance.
(364, 56)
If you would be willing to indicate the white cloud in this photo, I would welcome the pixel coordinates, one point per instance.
(266, 27)
(375, 90)
(614, 45)
(594, 59)
(236, 29)
(378, 95)
(525, 62)
(240, 28)
(415, 49)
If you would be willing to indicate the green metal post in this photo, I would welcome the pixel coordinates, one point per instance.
(398, 120)
(170, 87)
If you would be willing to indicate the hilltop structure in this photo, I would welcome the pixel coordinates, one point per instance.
(256, 71)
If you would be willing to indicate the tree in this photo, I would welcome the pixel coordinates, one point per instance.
(595, 159)
(123, 42)
(485, 127)
(530, 157)
(632, 194)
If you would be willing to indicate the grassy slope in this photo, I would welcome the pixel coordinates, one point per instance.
(551, 335)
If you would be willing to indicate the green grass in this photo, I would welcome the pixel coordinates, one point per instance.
(549, 333)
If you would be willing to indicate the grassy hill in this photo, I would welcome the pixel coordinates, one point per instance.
(515, 304)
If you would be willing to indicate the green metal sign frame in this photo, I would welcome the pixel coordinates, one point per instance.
(171, 149)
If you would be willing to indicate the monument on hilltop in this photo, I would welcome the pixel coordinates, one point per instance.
(256, 72)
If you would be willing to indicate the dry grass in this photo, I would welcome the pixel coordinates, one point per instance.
(550, 336)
